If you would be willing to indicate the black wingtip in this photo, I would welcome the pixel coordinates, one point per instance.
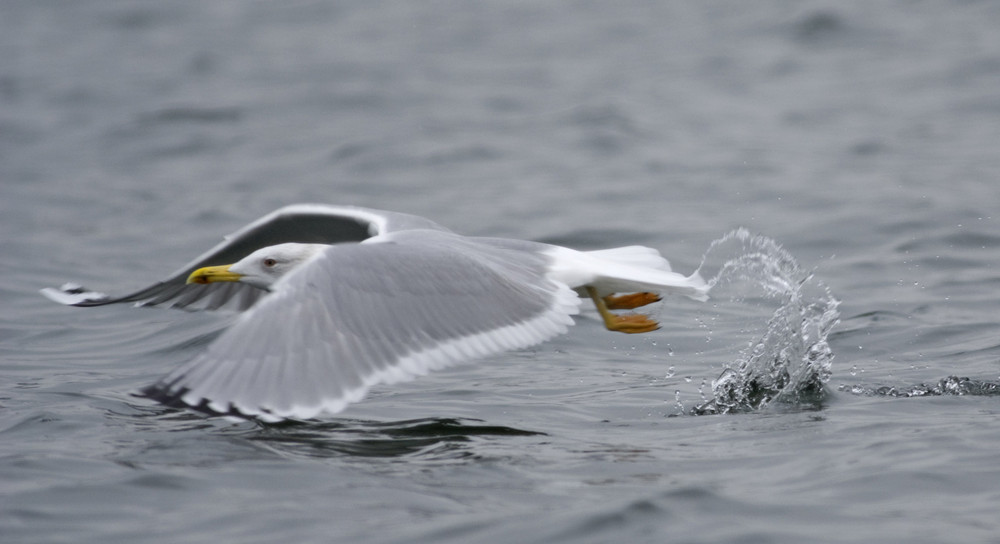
(72, 294)
(164, 396)
(174, 398)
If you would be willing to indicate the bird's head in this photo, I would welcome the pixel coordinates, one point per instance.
(262, 268)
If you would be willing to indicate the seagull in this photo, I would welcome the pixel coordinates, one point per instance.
(334, 300)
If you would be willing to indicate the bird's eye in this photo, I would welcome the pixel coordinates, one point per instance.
(270, 262)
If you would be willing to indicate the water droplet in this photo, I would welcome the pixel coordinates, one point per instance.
(792, 355)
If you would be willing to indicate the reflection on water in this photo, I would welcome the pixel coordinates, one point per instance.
(790, 362)
(435, 438)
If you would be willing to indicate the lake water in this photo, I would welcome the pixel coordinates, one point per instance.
(840, 386)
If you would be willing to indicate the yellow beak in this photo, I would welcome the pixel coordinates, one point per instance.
(211, 274)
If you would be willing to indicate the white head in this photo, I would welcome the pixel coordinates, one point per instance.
(262, 268)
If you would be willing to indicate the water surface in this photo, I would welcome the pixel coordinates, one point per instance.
(858, 139)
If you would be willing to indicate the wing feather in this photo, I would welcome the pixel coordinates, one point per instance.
(304, 223)
(359, 315)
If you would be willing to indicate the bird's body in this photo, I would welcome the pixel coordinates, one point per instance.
(339, 299)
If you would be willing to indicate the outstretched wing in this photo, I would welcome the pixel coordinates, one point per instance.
(304, 223)
(360, 315)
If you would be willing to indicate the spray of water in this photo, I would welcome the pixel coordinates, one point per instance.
(951, 385)
(790, 362)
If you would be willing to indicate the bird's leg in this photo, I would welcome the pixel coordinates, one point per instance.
(630, 301)
(632, 323)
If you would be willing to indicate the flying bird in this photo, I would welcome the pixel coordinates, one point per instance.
(337, 299)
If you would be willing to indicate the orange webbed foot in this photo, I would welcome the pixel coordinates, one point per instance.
(630, 301)
(630, 323)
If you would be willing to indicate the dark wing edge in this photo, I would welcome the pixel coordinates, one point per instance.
(304, 223)
(234, 296)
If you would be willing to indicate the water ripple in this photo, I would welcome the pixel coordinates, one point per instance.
(790, 362)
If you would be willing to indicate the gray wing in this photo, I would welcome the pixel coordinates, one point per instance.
(304, 223)
(360, 315)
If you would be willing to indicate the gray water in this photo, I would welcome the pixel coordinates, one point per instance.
(840, 386)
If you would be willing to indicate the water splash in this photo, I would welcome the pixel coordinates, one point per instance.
(790, 362)
(951, 385)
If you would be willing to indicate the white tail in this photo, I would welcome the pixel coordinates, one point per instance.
(624, 270)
